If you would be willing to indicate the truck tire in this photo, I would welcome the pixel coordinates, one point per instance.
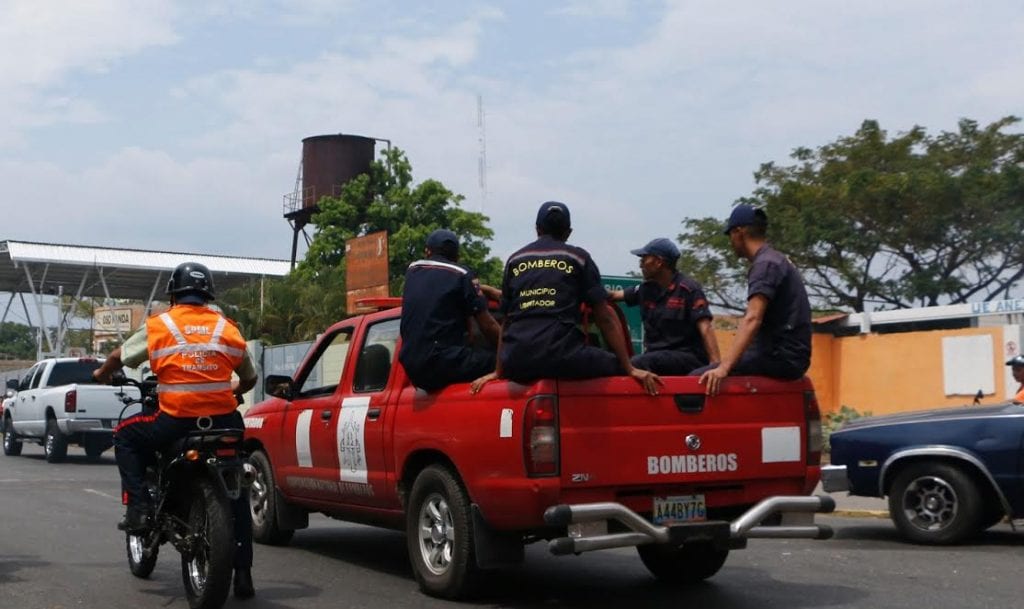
(94, 447)
(439, 535)
(55, 444)
(263, 500)
(686, 564)
(936, 503)
(12, 445)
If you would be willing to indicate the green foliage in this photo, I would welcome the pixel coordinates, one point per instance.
(289, 309)
(833, 421)
(17, 341)
(385, 199)
(910, 220)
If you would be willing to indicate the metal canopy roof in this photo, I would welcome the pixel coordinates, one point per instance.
(78, 270)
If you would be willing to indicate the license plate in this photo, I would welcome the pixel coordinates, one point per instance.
(680, 508)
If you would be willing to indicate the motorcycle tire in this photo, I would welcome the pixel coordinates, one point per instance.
(206, 572)
(140, 563)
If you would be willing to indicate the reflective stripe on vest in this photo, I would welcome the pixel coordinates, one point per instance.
(194, 377)
(193, 387)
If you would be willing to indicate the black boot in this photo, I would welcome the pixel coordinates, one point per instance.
(243, 583)
(136, 520)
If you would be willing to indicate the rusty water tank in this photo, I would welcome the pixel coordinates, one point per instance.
(329, 161)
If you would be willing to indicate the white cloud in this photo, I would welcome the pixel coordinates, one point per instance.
(43, 43)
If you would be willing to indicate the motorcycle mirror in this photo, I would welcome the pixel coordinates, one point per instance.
(118, 378)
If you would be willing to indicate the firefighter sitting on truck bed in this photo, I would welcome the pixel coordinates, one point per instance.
(544, 285)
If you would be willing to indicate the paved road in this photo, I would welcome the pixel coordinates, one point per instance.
(59, 549)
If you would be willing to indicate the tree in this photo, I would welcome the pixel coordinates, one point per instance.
(17, 341)
(386, 199)
(913, 220)
(311, 298)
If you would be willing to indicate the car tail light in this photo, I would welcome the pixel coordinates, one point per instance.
(71, 401)
(812, 416)
(540, 436)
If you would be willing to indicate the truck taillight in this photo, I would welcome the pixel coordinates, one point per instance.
(812, 415)
(71, 401)
(540, 436)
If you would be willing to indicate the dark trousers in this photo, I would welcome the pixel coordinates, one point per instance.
(753, 363)
(136, 441)
(668, 362)
(585, 362)
(448, 365)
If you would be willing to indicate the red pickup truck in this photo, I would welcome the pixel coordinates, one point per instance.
(585, 465)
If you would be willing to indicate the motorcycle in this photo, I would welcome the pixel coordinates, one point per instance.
(191, 484)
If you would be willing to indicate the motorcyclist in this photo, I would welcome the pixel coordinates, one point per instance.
(193, 350)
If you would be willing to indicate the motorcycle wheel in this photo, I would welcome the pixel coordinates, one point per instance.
(141, 565)
(206, 571)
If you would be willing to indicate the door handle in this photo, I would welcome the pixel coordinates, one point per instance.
(373, 414)
(325, 415)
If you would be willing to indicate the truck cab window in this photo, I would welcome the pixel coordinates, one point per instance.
(325, 373)
(374, 365)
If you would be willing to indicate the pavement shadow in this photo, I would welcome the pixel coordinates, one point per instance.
(11, 565)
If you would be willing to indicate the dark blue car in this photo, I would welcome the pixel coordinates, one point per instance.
(949, 474)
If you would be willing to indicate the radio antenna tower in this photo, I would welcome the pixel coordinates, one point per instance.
(482, 160)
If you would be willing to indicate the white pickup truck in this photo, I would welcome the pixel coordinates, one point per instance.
(58, 403)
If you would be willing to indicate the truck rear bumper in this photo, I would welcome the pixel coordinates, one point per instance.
(796, 522)
(70, 426)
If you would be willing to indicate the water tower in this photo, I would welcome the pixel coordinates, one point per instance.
(328, 162)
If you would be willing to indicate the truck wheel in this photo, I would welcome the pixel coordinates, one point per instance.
(263, 504)
(686, 564)
(12, 445)
(439, 535)
(55, 444)
(935, 503)
(140, 563)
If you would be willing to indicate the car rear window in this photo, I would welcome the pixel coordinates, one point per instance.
(65, 373)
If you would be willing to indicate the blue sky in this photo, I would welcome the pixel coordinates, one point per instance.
(178, 125)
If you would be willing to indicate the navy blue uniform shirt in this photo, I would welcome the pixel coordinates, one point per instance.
(786, 330)
(439, 295)
(671, 314)
(542, 289)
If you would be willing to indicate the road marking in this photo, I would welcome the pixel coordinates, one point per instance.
(100, 493)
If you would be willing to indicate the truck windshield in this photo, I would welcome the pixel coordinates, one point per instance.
(65, 373)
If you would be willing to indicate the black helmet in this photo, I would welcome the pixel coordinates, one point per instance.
(1016, 360)
(191, 277)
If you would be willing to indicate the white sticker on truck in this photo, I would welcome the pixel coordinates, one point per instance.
(780, 444)
(352, 440)
(302, 452)
(505, 425)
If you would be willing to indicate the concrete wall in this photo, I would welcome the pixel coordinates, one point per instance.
(890, 373)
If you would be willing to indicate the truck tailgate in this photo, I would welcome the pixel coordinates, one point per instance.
(102, 401)
(614, 435)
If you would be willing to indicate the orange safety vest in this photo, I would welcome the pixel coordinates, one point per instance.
(1020, 395)
(193, 351)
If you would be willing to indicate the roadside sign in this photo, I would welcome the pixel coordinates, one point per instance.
(366, 267)
(633, 319)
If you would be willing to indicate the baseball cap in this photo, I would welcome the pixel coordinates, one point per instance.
(443, 241)
(745, 215)
(661, 247)
(1016, 360)
(553, 216)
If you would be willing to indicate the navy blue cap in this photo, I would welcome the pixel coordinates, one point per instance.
(1016, 360)
(745, 215)
(443, 241)
(553, 217)
(661, 247)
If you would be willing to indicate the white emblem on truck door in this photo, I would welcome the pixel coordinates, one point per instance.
(351, 439)
(302, 453)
